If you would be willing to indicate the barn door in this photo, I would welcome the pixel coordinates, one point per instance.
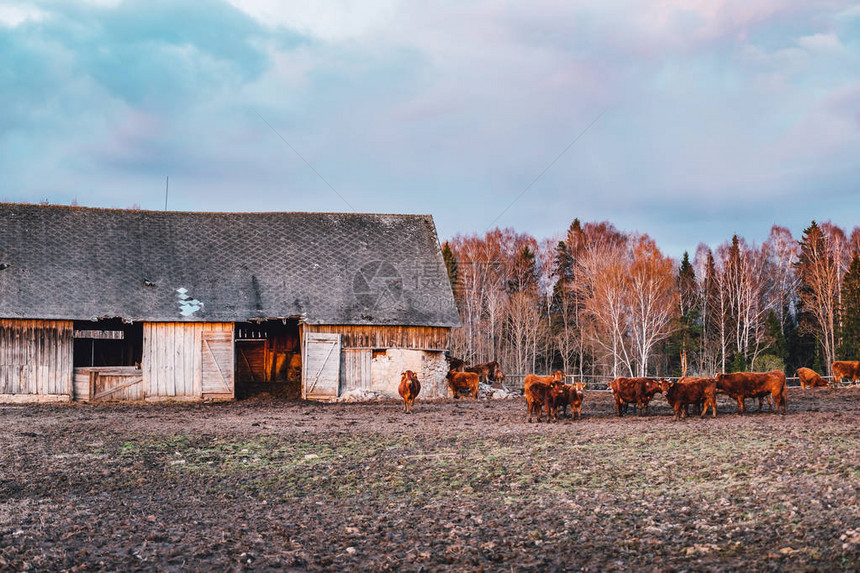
(355, 369)
(321, 366)
(217, 351)
(120, 383)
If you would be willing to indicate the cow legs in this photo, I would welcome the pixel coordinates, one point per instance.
(779, 400)
(740, 405)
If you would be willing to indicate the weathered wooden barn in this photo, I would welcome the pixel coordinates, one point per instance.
(108, 304)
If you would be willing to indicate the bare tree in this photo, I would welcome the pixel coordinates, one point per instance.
(820, 273)
(781, 249)
(653, 298)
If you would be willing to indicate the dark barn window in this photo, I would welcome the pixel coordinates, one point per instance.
(109, 342)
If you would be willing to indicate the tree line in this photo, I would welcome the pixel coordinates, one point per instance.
(599, 301)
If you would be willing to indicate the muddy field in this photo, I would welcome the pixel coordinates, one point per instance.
(274, 485)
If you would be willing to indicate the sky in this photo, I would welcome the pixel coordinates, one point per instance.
(687, 120)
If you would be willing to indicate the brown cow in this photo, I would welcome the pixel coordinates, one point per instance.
(488, 371)
(571, 395)
(809, 378)
(557, 376)
(409, 389)
(540, 395)
(455, 363)
(463, 381)
(638, 391)
(690, 390)
(845, 369)
(741, 385)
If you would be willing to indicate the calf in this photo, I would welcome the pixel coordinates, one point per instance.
(540, 395)
(742, 385)
(638, 391)
(809, 378)
(571, 395)
(458, 381)
(690, 390)
(409, 389)
(489, 371)
(845, 369)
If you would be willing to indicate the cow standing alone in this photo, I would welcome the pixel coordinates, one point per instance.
(809, 378)
(409, 389)
(845, 369)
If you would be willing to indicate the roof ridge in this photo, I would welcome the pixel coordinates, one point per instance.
(128, 210)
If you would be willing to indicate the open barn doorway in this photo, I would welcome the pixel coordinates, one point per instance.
(268, 359)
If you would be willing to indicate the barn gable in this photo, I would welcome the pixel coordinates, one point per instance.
(72, 263)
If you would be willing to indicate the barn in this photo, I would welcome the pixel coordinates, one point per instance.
(111, 304)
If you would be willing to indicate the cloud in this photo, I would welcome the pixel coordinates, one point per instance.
(713, 108)
(14, 14)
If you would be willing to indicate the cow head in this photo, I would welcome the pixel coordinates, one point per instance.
(665, 384)
(556, 388)
(655, 385)
(558, 376)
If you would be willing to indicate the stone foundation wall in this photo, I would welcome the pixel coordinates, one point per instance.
(431, 368)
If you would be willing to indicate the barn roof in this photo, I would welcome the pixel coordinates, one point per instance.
(327, 268)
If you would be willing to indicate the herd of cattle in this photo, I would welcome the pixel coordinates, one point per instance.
(551, 394)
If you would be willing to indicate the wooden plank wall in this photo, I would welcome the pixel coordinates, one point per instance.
(171, 359)
(355, 369)
(251, 361)
(218, 363)
(321, 366)
(36, 357)
(109, 383)
(418, 337)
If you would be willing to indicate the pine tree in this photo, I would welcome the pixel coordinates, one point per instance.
(688, 329)
(523, 275)
(849, 331)
(453, 271)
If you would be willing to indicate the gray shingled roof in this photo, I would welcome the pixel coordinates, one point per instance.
(329, 268)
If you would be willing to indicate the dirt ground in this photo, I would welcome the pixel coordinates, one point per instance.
(462, 485)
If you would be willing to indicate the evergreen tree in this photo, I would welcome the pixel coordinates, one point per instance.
(778, 346)
(688, 328)
(523, 275)
(800, 345)
(561, 294)
(849, 331)
(453, 271)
